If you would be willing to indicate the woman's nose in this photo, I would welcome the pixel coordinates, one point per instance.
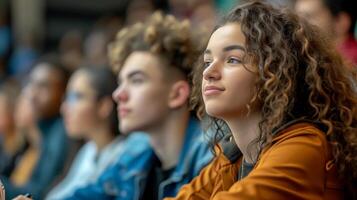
(212, 72)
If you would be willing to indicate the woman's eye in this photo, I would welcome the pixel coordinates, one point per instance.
(234, 61)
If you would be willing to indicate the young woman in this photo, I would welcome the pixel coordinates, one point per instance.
(290, 106)
(89, 113)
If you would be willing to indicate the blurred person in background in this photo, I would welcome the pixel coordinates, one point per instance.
(70, 50)
(204, 15)
(139, 10)
(337, 19)
(12, 144)
(95, 47)
(25, 54)
(42, 125)
(89, 113)
(96, 42)
(153, 62)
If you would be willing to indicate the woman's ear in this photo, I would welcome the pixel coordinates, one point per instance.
(105, 107)
(179, 94)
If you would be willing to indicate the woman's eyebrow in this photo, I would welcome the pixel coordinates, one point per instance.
(233, 47)
(227, 48)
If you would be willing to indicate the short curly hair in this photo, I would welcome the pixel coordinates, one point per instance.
(163, 35)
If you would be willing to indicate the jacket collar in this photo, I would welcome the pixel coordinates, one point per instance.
(193, 132)
(146, 154)
(233, 153)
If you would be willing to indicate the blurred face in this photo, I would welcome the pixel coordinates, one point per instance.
(47, 90)
(316, 13)
(79, 107)
(227, 85)
(138, 11)
(142, 94)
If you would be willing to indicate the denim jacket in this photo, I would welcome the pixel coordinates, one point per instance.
(126, 180)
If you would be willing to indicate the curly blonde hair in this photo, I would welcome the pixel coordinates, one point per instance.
(163, 35)
(300, 76)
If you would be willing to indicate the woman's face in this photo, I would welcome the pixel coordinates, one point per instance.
(79, 106)
(228, 83)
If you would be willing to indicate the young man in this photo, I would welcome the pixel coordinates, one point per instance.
(153, 61)
(337, 18)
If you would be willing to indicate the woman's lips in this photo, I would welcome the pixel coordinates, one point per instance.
(212, 90)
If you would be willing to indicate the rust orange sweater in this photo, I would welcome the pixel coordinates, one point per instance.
(298, 165)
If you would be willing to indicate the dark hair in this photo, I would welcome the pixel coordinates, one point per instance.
(53, 62)
(103, 81)
(348, 6)
(300, 75)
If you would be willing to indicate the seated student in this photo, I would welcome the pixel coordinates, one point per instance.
(154, 61)
(42, 125)
(290, 106)
(89, 113)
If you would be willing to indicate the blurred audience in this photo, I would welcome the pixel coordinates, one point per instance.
(95, 46)
(96, 42)
(70, 50)
(140, 10)
(5, 41)
(43, 127)
(90, 113)
(204, 15)
(337, 18)
(23, 57)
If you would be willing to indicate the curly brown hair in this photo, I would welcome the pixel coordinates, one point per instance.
(300, 76)
(163, 35)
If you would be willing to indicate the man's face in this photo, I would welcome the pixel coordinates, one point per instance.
(142, 94)
(316, 13)
(47, 90)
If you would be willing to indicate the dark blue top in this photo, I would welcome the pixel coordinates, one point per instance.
(54, 150)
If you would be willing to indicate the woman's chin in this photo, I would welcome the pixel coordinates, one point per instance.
(214, 112)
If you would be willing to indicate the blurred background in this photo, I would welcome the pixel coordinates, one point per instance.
(42, 42)
(79, 30)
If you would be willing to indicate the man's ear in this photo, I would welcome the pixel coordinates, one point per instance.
(179, 94)
(105, 107)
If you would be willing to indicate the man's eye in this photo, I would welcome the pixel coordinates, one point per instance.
(206, 64)
(137, 80)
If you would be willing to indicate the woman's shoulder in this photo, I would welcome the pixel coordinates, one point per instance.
(301, 140)
(302, 129)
